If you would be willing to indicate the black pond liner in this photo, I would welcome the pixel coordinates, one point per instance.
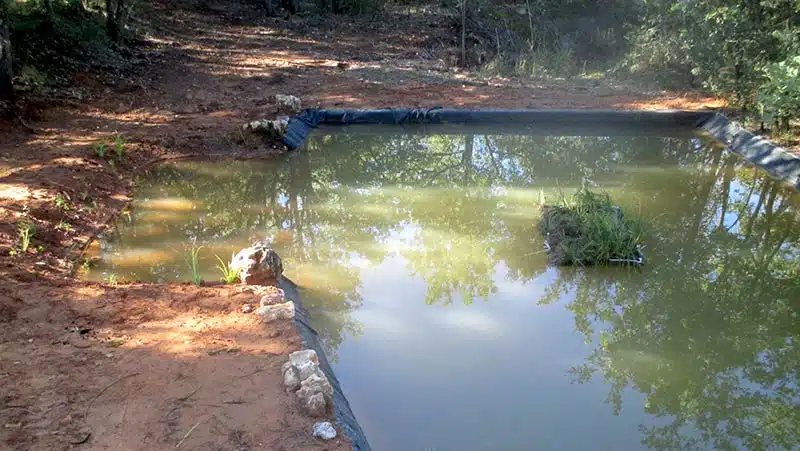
(341, 408)
(755, 149)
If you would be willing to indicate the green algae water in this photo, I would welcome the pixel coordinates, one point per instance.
(420, 263)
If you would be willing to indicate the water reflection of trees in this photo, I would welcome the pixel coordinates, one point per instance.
(707, 331)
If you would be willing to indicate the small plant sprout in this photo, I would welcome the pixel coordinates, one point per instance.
(194, 262)
(64, 225)
(229, 275)
(25, 231)
(119, 146)
(111, 280)
(100, 149)
(62, 203)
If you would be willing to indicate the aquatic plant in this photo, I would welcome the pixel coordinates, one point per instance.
(194, 262)
(588, 229)
(229, 275)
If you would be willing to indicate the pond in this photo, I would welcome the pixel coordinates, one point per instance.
(420, 263)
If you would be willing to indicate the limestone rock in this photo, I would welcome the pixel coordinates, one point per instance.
(314, 405)
(275, 127)
(325, 431)
(288, 103)
(270, 313)
(305, 355)
(316, 383)
(258, 265)
(275, 297)
(291, 380)
(247, 308)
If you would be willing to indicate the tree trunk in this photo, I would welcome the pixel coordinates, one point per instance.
(51, 14)
(463, 33)
(112, 27)
(6, 74)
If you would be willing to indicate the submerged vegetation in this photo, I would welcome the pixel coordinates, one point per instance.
(588, 229)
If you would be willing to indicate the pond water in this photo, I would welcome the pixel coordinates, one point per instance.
(420, 263)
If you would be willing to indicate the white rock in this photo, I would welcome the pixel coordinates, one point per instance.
(275, 312)
(316, 383)
(305, 355)
(306, 370)
(273, 298)
(325, 431)
(314, 405)
(291, 381)
(247, 308)
(257, 265)
(290, 103)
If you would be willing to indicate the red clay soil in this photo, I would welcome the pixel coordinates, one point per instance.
(88, 366)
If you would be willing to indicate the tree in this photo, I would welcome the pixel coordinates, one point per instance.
(6, 73)
(115, 19)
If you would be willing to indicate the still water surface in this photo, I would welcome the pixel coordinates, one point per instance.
(419, 260)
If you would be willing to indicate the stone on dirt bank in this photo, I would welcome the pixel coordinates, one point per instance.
(247, 308)
(325, 431)
(305, 355)
(258, 265)
(303, 375)
(270, 313)
(288, 103)
(275, 128)
(291, 380)
(314, 405)
(316, 383)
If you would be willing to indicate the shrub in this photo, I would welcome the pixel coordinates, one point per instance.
(778, 98)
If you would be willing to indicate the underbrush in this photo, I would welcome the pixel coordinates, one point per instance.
(588, 229)
(47, 53)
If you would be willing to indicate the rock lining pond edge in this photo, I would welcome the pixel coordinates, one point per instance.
(345, 418)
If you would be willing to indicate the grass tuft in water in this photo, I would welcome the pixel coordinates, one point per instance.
(229, 275)
(588, 229)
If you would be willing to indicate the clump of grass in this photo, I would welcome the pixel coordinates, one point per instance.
(25, 231)
(229, 275)
(100, 149)
(194, 262)
(588, 229)
(119, 146)
(111, 280)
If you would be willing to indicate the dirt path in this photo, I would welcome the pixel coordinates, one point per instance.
(87, 366)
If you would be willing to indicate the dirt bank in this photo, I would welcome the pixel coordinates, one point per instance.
(87, 366)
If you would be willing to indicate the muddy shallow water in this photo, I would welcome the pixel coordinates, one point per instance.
(420, 263)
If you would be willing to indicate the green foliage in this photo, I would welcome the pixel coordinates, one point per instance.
(100, 149)
(50, 49)
(229, 275)
(194, 262)
(119, 146)
(25, 232)
(588, 229)
(111, 279)
(778, 98)
(62, 203)
(718, 45)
